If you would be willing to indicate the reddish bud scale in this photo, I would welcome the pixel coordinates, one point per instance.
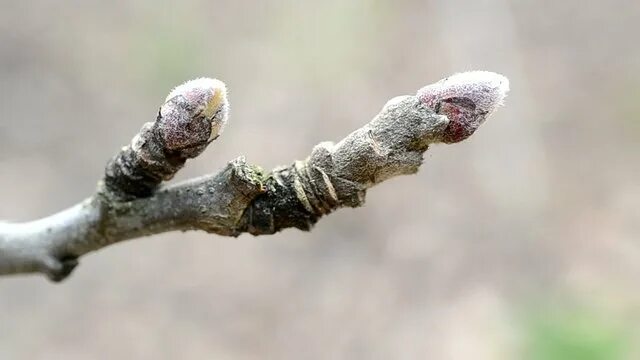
(466, 99)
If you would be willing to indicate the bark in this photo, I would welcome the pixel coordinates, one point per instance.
(131, 202)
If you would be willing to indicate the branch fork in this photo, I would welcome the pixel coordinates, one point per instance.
(132, 202)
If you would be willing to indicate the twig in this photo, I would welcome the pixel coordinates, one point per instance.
(130, 201)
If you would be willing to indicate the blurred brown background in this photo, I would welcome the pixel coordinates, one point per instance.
(520, 243)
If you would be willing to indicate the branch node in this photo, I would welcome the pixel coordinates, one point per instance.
(130, 203)
(58, 269)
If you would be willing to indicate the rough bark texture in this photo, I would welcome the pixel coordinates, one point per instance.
(338, 175)
(130, 202)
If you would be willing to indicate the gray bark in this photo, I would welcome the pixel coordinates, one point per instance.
(130, 201)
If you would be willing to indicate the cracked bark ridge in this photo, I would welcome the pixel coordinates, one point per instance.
(338, 175)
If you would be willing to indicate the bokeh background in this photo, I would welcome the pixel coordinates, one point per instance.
(521, 243)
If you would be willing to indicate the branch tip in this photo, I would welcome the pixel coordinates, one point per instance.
(196, 108)
(192, 116)
(467, 99)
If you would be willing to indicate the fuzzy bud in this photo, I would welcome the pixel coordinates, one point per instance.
(194, 113)
(466, 99)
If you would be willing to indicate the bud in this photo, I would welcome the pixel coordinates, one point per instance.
(192, 109)
(466, 99)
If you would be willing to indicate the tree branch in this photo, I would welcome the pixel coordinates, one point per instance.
(130, 201)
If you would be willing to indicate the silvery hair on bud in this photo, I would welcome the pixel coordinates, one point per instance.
(486, 89)
(466, 99)
(204, 97)
(194, 114)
